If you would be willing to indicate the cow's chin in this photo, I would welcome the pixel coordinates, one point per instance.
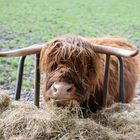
(67, 101)
(62, 102)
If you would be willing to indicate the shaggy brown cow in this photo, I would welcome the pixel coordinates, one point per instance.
(73, 71)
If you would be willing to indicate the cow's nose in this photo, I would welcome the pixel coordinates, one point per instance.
(62, 90)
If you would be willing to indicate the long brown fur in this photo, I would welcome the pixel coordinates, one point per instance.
(77, 57)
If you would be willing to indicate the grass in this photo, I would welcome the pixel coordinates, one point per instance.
(25, 22)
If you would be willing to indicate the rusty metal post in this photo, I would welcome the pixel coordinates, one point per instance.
(106, 80)
(121, 80)
(19, 77)
(37, 81)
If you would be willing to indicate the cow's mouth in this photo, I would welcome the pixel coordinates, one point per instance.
(63, 102)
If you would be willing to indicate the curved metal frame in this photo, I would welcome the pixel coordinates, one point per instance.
(37, 79)
(120, 81)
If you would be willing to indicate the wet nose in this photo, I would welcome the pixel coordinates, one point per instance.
(62, 90)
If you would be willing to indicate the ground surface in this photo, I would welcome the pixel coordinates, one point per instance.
(137, 97)
(26, 22)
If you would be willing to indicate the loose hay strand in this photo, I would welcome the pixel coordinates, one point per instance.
(24, 121)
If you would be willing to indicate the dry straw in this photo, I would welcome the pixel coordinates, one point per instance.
(24, 121)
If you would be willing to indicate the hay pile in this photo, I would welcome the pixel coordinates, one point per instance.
(24, 121)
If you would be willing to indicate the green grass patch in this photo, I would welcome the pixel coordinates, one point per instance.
(40, 20)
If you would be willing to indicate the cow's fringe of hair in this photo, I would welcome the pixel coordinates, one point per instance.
(75, 52)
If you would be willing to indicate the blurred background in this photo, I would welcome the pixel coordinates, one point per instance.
(27, 22)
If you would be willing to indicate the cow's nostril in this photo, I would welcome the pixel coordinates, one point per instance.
(54, 89)
(61, 90)
(70, 89)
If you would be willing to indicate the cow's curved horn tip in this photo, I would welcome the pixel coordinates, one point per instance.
(136, 52)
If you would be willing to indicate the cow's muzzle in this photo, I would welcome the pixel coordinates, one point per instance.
(61, 92)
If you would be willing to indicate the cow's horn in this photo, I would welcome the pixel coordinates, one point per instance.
(34, 49)
(114, 51)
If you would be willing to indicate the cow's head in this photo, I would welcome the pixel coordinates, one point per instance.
(70, 68)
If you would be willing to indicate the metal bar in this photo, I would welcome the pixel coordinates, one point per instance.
(121, 80)
(106, 80)
(19, 77)
(37, 81)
